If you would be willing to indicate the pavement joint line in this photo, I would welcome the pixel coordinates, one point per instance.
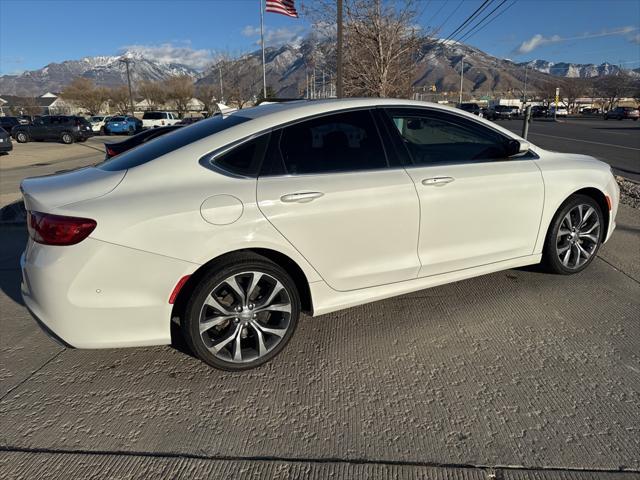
(585, 141)
(619, 269)
(320, 460)
(30, 376)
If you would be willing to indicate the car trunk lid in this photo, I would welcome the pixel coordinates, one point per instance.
(49, 192)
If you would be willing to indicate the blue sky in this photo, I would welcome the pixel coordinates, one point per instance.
(34, 33)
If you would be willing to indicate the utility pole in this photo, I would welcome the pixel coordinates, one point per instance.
(525, 85)
(221, 92)
(339, 92)
(127, 61)
(461, 78)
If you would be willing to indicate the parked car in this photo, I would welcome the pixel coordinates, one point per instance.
(25, 119)
(113, 149)
(539, 111)
(189, 120)
(502, 112)
(5, 141)
(561, 112)
(123, 125)
(158, 119)
(590, 111)
(64, 128)
(98, 122)
(8, 123)
(234, 225)
(621, 113)
(471, 108)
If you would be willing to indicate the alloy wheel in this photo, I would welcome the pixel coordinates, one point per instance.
(578, 236)
(245, 317)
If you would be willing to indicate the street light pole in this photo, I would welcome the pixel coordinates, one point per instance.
(525, 84)
(461, 78)
(127, 61)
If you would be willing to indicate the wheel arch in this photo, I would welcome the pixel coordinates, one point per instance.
(291, 267)
(597, 195)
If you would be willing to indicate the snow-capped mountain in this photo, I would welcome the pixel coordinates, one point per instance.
(104, 70)
(574, 70)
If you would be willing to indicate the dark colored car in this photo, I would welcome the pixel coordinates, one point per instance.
(470, 107)
(621, 113)
(539, 111)
(590, 111)
(501, 112)
(189, 120)
(5, 141)
(8, 123)
(113, 149)
(63, 128)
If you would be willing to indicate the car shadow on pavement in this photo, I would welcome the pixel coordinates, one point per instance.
(14, 238)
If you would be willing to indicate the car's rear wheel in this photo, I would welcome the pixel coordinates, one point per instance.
(242, 313)
(22, 137)
(66, 138)
(575, 235)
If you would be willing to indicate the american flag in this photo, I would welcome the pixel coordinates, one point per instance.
(283, 7)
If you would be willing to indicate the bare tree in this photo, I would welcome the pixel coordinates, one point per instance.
(153, 92)
(206, 93)
(83, 93)
(30, 107)
(612, 87)
(119, 99)
(242, 80)
(180, 91)
(572, 89)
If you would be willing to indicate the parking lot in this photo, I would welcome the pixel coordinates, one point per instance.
(513, 375)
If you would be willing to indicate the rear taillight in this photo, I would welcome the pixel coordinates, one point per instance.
(111, 152)
(51, 229)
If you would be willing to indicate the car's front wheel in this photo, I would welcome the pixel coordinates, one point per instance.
(242, 313)
(575, 235)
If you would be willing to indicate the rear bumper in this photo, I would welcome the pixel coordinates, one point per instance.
(99, 295)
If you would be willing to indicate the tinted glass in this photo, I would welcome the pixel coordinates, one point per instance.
(117, 119)
(169, 143)
(153, 116)
(434, 137)
(341, 142)
(244, 159)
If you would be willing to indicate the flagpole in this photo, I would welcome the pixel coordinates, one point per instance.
(264, 67)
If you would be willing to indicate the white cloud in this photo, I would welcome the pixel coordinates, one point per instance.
(275, 36)
(635, 38)
(539, 40)
(172, 53)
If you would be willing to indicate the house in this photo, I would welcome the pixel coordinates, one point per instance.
(47, 104)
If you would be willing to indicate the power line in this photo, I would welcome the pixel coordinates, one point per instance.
(486, 17)
(436, 14)
(470, 18)
(451, 14)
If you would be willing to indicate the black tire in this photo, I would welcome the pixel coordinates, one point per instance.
(102, 131)
(236, 264)
(131, 132)
(66, 138)
(22, 137)
(550, 255)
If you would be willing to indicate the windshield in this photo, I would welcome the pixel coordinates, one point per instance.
(170, 142)
(97, 119)
(153, 115)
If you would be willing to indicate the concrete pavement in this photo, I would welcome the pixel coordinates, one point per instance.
(518, 374)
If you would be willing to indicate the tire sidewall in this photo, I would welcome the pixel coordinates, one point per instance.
(66, 138)
(191, 318)
(550, 249)
(22, 137)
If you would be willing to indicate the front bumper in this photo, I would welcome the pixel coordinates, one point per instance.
(99, 295)
(6, 146)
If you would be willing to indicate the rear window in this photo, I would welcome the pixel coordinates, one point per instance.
(117, 119)
(170, 142)
(154, 116)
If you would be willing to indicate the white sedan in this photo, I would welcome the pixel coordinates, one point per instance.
(233, 226)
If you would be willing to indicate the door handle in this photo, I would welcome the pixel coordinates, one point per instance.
(437, 181)
(302, 197)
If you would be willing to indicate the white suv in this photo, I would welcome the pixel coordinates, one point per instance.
(158, 119)
(235, 225)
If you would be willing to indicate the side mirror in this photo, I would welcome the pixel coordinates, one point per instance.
(514, 147)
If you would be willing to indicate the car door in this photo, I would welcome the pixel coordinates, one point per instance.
(329, 188)
(39, 130)
(477, 206)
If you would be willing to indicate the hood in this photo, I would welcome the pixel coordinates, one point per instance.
(52, 191)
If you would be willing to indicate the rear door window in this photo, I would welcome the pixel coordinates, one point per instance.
(341, 142)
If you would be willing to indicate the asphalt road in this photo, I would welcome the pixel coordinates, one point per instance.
(615, 142)
(520, 374)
